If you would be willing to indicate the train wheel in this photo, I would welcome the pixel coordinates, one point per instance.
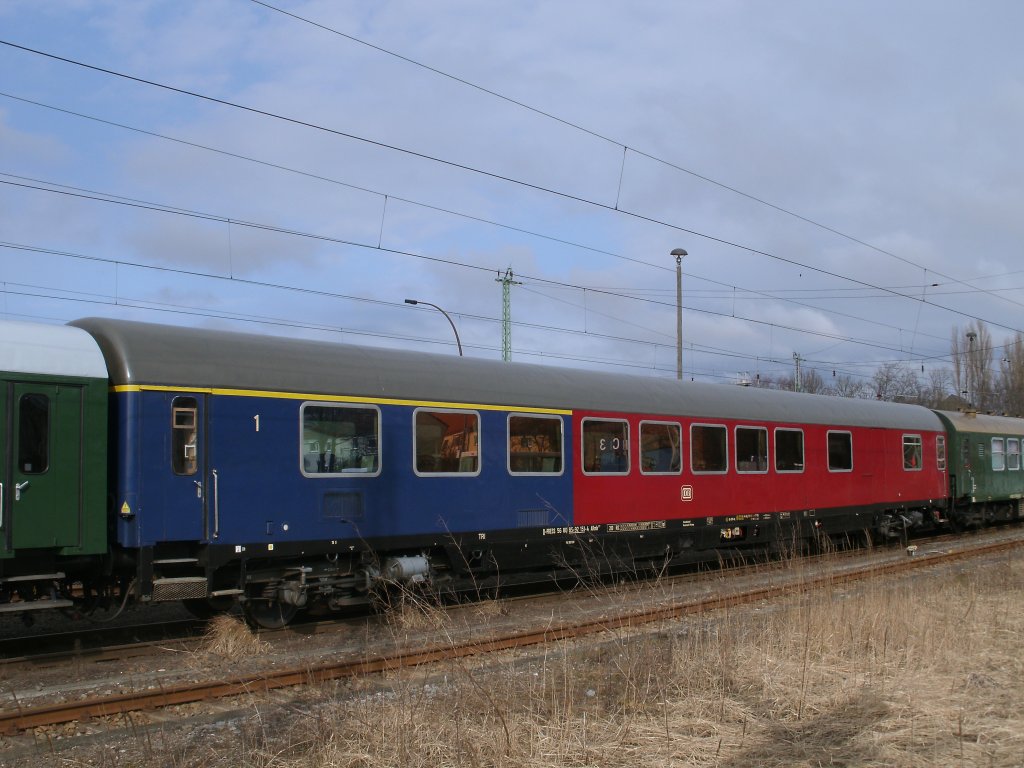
(268, 614)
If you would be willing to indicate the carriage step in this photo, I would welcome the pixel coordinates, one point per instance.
(227, 592)
(33, 577)
(180, 588)
(35, 605)
(177, 561)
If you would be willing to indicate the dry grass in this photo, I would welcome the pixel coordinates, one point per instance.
(228, 638)
(922, 672)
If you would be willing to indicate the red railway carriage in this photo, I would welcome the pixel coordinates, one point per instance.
(724, 455)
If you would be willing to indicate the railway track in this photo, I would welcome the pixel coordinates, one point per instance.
(20, 718)
(95, 643)
(98, 643)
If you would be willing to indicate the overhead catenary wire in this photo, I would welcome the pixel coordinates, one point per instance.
(381, 302)
(325, 238)
(387, 195)
(167, 307)
(626, 148)
(489, 174)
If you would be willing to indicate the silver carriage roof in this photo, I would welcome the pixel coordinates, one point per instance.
(145, 354)
(983, 423)
(49, 350)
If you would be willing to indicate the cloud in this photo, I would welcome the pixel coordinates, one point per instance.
(857, 119)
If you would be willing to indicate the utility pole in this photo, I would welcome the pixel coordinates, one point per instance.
(506, 313)
(797, 379)
(679, 253)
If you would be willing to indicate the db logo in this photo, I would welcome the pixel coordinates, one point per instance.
(686, 493)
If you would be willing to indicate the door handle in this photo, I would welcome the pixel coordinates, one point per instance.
(199, 489)
(216, 503)
(18, 489)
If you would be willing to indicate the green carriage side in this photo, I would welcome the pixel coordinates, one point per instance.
(54, 396)
(986, 478)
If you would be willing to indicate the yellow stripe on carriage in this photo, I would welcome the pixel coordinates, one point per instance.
(321, 398)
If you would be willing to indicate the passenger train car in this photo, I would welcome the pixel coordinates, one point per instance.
(161, 463)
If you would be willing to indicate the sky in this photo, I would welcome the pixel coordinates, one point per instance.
(846, 178)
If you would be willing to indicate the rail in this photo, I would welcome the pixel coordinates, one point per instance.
(23, 718)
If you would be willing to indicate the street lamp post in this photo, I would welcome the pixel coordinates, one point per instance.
(679, 253)
(458, 342)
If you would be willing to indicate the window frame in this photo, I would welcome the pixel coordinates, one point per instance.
(1001, 453)
(1014, 441)
(940, 452)
(828, 453)
(42, 438)
(725, 453)
(344, 473)
(640, 453)
(479, 442)
(736, 444)
(508, 443)
(583, 450)
(803, 450)
(179, 406)
(920, 451)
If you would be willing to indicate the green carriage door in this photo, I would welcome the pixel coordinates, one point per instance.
(43, 492)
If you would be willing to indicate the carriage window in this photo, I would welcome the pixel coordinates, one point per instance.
(940, 452)
(840, 452)
(339, 440)
(1013, 453)
(998, 456)
(33, 434)
(708, 449)
(605, 447)
(751, 449)
(660, 448)
(184, 435)
(447, 442)
(789, 450)
(534, 445)
(912, 452)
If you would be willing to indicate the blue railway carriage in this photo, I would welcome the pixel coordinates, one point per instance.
(986, 479)
(283, 472)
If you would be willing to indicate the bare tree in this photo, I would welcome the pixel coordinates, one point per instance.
(956, 355)
(845, 385)
(892, 381)
(939, 387)
(812, 382)
(1011, 374)
(972, 365)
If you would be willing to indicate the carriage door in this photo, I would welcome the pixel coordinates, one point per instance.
(188, 464)
(42, 490)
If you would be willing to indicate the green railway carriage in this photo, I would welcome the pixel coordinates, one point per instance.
(53, 481)
(986, 477)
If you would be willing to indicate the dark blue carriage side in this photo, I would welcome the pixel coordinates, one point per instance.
(248, 488)
(213, 489)
(264, 497)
